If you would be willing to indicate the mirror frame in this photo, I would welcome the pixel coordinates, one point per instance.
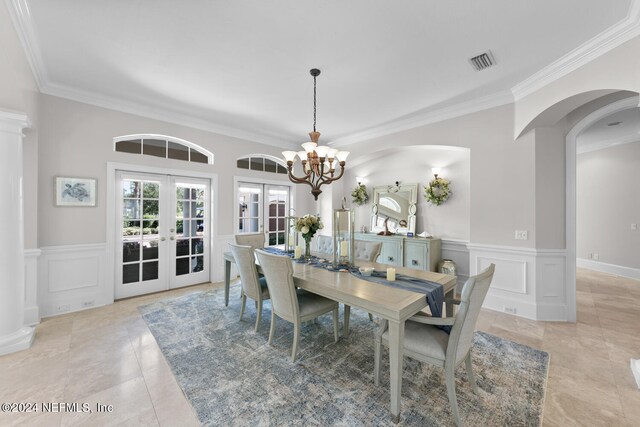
(412, 210)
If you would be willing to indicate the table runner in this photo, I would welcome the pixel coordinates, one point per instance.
(433, 291)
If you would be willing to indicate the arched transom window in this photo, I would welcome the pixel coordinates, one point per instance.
(263, 163)
(164, 146)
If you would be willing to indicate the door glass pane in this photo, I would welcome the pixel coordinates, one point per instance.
(130, 228)
(131, 189)
(150, 270)
(182, 247)
(131, 209)
(151, 190)
(150, 250)
(182, 266)
(131, 273)
(151, 208)
(130, 251)
(197, 246)
(198, 265)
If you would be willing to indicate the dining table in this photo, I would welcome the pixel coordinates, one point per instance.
(390, 303)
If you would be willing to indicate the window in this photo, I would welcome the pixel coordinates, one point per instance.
(262, 163)
(166, 147)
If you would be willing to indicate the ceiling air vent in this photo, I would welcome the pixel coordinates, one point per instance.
(482, 61)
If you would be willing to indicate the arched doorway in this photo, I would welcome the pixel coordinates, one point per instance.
(571, 201)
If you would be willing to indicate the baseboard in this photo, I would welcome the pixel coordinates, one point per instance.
(616, 270)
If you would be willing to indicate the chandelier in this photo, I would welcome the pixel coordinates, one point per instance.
(318, 161)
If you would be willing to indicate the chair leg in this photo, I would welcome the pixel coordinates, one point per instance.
(296, 341)
(370, 317)
(377, 356)
(335, 324)
(472, 378)
(258, 315)
(244, 302)
(272, 330)
(451, 392)
(347, 315)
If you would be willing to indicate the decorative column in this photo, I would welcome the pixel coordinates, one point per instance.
(14, 335)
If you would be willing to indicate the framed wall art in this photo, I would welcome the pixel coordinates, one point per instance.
(75, 191)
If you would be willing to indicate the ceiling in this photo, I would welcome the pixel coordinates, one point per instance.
(606, 133)
(242, 67)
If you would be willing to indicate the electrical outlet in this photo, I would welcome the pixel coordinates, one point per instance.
(596, 256)
(634, 226)
(521, 235)
(510, 310)
(63, 307)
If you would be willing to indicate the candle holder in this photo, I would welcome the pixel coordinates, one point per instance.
(291, 236)
(343, 237)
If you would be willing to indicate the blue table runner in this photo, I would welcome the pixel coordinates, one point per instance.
(433, 291)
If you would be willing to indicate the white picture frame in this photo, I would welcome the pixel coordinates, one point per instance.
(71, 191)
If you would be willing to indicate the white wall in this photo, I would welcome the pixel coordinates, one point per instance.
(77, 140)
(608, 202)
(410, 165)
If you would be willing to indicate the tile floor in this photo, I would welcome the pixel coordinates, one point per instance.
(107, 355)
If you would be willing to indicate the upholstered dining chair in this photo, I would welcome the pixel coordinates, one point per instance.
(363, 251)
(287, 303)
(253, 286)
(324, 244)
(366, 251)
(255, 240)
(424, 341)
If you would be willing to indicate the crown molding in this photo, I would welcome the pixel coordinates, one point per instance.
(597, 46)
(601, 145)
(161, 114)
(21, 18)
(450, 112)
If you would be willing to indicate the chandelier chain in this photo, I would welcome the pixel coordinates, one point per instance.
(314, 103)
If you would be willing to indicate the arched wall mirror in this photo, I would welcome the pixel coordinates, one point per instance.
(397, 205)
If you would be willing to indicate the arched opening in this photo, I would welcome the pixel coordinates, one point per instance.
(571, 191)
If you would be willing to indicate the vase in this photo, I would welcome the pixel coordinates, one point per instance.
(447, 266)
(307, 249)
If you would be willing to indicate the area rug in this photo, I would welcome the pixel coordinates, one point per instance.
(231, 376)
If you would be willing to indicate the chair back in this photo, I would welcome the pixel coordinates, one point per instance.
(367, 251)
(246, 263)
(255, 240)
(473, 294)
(325, 244)
(278, 271)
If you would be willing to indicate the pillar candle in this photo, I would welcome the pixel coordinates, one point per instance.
(391, 274)
(344, 248)
(297, 252)
(292, 239)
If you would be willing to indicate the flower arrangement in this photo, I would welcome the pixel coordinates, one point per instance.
(359, 194)
(437, 191)
(308, 225)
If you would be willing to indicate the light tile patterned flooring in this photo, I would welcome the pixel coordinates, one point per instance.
(107, 355)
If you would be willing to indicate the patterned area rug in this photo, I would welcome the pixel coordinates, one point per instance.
(231, 376)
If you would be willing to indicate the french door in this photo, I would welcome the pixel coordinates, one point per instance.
(163, 223)
(263, 208)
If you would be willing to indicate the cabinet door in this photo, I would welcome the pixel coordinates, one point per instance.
(391, 253)
(415, 255)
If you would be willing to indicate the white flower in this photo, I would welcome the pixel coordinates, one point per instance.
(321, 226)
(305, 230)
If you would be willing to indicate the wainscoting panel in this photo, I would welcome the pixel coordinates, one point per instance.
(71, 278)
(528, 282)
(510, 277)
(31, 310)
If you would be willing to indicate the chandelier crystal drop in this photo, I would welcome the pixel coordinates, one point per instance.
(318, 161)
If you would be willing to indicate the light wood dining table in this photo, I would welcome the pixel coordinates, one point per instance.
(395, 305)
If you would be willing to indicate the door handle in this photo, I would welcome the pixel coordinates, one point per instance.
(172, 238)
(172, 230)
(162, 239)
